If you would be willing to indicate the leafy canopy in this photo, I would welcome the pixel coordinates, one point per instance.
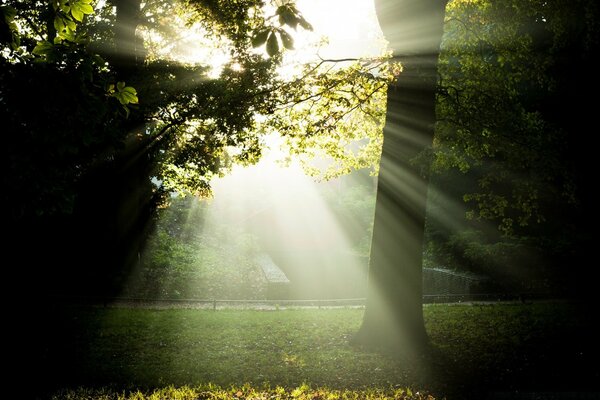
(190, 125)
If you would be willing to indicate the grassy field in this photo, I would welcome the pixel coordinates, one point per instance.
(479, 349)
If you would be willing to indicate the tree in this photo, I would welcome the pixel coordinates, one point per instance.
(500, 149)
(504, 70)
(394, 316)
(124, 127)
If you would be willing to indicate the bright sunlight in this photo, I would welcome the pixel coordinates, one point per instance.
(296, 225)
(273, 208)
(342, 29)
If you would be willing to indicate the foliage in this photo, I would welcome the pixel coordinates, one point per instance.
(335, 115)
(288, 15)
(125, 94)
(8, 28)
(353, 203)
(187, 257)
(498, 77)
(58, 146)
(513, 264)
(506, 140)
(255, 91)
(115, 125)
(197, 127)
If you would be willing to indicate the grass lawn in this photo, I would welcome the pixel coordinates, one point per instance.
(543, 347)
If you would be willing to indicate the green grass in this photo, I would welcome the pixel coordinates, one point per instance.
(476, 349)
(213, 392)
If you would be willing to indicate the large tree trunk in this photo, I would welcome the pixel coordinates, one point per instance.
(127, 53)
(394, 316)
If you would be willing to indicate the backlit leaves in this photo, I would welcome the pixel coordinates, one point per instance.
(62, 24)
(79, 8)
(43, 48)
(126, 95)
(76, 9)
(278, 38)
(68, 13)
(492, 80)
(289, 15)
(287, 40)
(335, 113)
(272, 37)
(199, 142)
(260, 38)
(272, 45)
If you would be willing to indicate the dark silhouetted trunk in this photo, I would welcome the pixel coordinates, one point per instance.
(128, 49)
(393, 317)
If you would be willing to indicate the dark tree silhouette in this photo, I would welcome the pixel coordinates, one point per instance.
(393, 316)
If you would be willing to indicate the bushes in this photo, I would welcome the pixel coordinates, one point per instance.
(513, 264)
(184, 260)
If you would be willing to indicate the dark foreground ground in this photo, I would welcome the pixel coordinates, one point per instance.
(495, 351)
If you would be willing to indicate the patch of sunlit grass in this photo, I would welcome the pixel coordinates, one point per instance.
(213, 392)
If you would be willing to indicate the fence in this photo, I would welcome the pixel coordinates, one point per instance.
(226, 304)
(445, 282)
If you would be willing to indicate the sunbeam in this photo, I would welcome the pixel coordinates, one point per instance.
(281, 198)
(306, 228)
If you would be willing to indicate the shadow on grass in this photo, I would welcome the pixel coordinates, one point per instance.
(475, 351)
(546, 350)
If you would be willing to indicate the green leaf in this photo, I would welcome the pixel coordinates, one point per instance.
(81, 7)
(71, 25)
(126, 98)
(287, 40)
(43, 48)
(272, 45)
(260, 38)
(304, 23)
(129, 89)
(134, 100)
(69, 35)
(124, 94)
(59, 24)
(130, 95)
(281, 9)
(77, 14)
(288, 17)
(119, 96)
(86, 9)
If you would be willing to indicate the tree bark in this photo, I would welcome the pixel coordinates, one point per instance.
(394, 315)
(127, 53)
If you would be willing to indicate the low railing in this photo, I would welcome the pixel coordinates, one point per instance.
(261, 304)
